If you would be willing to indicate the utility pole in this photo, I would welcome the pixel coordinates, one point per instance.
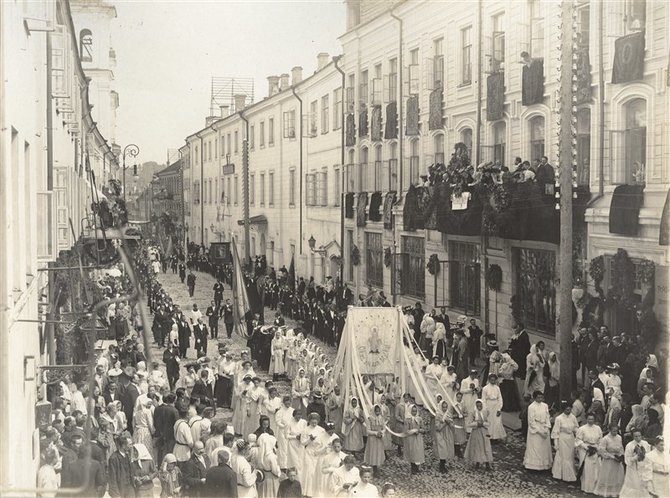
(566, 160)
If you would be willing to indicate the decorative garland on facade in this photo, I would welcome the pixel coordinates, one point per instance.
(387, 257)
(494, 277)
(597, 271)
(622, 282)
(433, 264)
(646, 271)
(355, 256)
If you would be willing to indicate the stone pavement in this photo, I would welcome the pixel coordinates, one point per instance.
(508, 477)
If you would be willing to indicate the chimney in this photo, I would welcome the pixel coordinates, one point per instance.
(240, 101)
(283, 85)
(273, 85)
(322, 60)
(296, 75)
(225, 110)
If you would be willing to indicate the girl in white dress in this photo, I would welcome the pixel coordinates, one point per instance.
(493, 402)
(312, 439)
(538, 444)
(610, 477)
(587, 439)
(563, 435)
(277, 366)
(637, 482)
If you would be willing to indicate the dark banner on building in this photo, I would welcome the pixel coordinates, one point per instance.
(495, 96)
(435, 121)
(376, 123)
(391, 128)
(532, 87)
(628, 58)
(412, 126)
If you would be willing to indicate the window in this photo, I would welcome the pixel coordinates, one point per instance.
(583, 146)
(86, 45)
(536, 138)
(438, 63)
(378, 180)
(337, 188)
(237, 141)
(310, 189)
(536, 29)
(498, 42)
(350, 93)
(464, 277)
(252, 137)
(393, 80)
(466, 138)
(337, 109)
(223, 146)
(216, 190)
(349, 176)
(350, 249)
(323, 188)
(291, 187)
(252, 188)
(271, 131)
(632, 170)
(363, 170)
(636, 15)
(439, 148)
(261, 189)
(289, 124)
(313, 110)
(363, 88)
(377, 90)
(325, 113)
(228, 191)
(229, 148)
(393, 167)
(583, 25)
(535, 291)
(271, 188)
(197, 155)
(466, 55)
(196, 192)
(499, 131)
(412, 173)
(237, 191)
(620, 317)
(413, 71)
(374, 260)
(261, 136)
(414, 273)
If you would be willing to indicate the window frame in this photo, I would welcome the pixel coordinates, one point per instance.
(374, 260)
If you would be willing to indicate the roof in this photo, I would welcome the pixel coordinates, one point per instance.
(174, 168)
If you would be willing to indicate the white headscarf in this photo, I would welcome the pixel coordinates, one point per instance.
(266, 448)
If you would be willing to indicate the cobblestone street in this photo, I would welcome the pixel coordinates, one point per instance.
(508, 478)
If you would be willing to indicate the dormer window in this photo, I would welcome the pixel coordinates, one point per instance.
(86, 45)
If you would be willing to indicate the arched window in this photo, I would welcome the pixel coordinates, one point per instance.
(438, 146)
(632, 171)
(583, 145)
(363, 183)
(536, 138)
(379, 181)
(466, 138)
(86, 45)
(393, 166)
(499, 139)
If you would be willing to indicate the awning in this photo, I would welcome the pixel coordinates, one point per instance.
(260, 219)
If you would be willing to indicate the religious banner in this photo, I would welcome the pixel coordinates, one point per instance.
(495, 96)
(583, 93)
(376, 123)
(412, 124)
(375, 338)
(388, 210)
(435, 120)
(628, 58)
(350, 135)
(360, 209)
(532, 84)
(363, 122)
(391, 125)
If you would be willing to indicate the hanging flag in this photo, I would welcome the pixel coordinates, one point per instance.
(240, 298)
(628, 58)
(291, 273)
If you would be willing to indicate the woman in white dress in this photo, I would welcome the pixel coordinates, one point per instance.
(538, 444)
(638, 480)
(283, 419)
(493, 402)
(610, 476)
(277, 366)
(563, 435)
(312, 438)
(535, 362)
(444, 436)
(269, 464)
(660, 468)
(295, 449)
(587, 439)
(331, 461)
(470, 389)
(449, 380)
(353, 427)
(300, 390)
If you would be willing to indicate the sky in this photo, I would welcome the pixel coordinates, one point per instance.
(168, 51)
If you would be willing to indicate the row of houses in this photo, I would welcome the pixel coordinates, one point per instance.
(334, 158)
(57, 144)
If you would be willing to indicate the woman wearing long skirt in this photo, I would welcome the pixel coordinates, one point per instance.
(478, 449)
(374, 448)
(399, 421)
(353, 427)
(587, 439)
(335, 408)
(563, 435)
(637, 482)
(332, 460)
(508, 387)
(277, 366)
(610, 476)
(414, 449)
(295, 450)
(312, 439)
(240, 405)
(457, 413)
(269, 464)
(444, 436)
(300, 391)
(143, 424)
(386, 407)
(143, 471)
(538, 454)
(535, 362)
(283, 419)
(251, 419)
(660, 466)
(223, 389)
(493, 402)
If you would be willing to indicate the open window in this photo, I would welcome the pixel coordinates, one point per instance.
(86, 45)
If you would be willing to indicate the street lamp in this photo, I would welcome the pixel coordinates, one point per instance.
(131, 150)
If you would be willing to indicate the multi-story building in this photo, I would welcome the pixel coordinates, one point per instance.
(168, 192)
(47, 144)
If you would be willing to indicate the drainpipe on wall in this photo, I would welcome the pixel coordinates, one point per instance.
(202, 191)
(245, 187)
(401, 141)
(336, 61)
(295, 94)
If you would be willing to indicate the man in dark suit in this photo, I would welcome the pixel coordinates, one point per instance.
(200, 334)
(213, 314)
(120, 476)
(195, 470)
(228, 318)
(221, 480)
(190, 283)
(165, 416)
(218, 292)
(444, 318)
(182, 272)
(345, 297)
(384, 303)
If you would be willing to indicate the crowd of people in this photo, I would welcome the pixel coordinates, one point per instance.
(294, 434)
